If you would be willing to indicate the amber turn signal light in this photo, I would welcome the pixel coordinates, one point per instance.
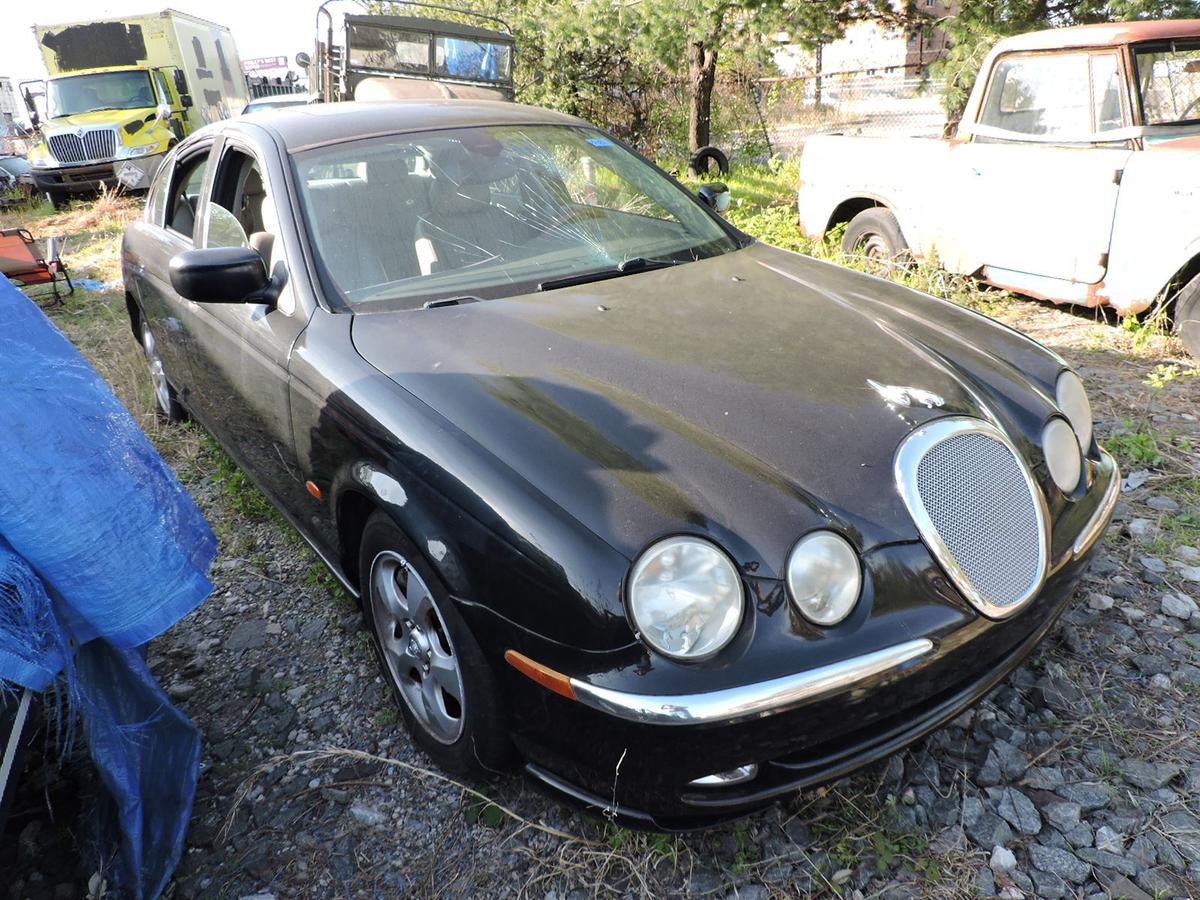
(546, 677)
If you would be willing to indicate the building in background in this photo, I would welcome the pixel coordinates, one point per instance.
(9, 116)
(875, 49)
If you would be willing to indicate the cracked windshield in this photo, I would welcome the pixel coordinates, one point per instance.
(492, 212)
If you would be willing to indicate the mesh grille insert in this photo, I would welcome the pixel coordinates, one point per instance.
(975, 493)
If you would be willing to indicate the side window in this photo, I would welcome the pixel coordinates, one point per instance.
(1043, 95)
(240, 208)
(156, 201)
(164, 92)
(241, 214)
(184, 198)
(1107, 108)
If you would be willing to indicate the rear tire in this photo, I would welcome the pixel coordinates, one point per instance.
(874, 235)
(442, 683)
(1187, 316)
(166, 403)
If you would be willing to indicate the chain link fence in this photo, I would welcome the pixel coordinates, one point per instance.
(864, 102)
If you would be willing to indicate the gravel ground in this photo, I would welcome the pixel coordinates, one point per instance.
(1078, 777)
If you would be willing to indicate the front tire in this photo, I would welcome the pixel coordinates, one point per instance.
(874, 234)
(1187, 316)
(166, 403)
(443, 685)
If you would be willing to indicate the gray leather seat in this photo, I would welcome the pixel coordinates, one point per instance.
(463, 227)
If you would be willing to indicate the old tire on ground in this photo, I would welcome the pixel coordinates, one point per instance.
(1187, 316)
(166, 403)
(875, 234)
(446, 692)
(699, 163)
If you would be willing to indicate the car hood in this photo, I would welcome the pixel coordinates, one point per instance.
(749, 397)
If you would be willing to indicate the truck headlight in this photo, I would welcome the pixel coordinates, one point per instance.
(1061, 449)
(685, 598)
(1073, 401)
(824, 577)
(134, 152)
(39, 162)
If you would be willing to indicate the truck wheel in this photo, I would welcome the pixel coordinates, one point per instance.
(58, 199)
(1187, 316)
(874, 235)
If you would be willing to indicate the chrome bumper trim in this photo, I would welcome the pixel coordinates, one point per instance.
(1103, 514)
(752, 700)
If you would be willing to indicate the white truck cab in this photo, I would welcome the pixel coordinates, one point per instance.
(1074, 175)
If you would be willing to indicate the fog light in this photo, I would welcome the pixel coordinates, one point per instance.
(724, 779)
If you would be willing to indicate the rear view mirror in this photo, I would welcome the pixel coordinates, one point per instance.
(715, 195)
(220, 275)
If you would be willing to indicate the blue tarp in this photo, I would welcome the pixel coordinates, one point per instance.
(120, 553)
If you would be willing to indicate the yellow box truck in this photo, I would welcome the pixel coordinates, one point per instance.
(122, 91)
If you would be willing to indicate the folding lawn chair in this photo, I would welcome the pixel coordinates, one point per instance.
(20, 262)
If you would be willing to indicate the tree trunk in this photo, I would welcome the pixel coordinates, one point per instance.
(819, 55)
(702, 73)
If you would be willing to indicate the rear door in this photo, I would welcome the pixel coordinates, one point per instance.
(169, 228)
(240, 353)
(1039, 182)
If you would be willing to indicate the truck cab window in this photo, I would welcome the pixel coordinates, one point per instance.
(185, 195)
(1044, 95)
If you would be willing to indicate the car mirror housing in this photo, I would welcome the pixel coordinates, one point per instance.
(715, 195)
(220, 275)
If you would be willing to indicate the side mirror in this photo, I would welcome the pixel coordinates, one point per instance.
(180, 82)
(220, 275)
(715, 195)
(162, 112)
(185, 100)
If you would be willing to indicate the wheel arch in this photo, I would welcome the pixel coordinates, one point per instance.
(848, 209)
(135, 315)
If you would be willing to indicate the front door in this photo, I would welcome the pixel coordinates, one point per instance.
(1039, 183)
(239, 358)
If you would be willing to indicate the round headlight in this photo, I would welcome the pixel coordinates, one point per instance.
(685, 597)
(1073, 401)
(1061, 449)
(824, 577)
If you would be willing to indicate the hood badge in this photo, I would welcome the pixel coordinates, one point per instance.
(899, 395)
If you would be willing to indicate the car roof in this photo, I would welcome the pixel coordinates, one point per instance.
(1111, 34)
(320, 124)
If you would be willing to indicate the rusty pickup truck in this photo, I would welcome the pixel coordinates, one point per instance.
(1074, 175)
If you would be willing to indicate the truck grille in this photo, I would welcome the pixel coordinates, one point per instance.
(94, 144)
(978, 510)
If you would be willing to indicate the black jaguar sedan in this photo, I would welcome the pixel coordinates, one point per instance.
(676, 521)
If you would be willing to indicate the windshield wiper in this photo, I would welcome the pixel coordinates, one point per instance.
(625, 267)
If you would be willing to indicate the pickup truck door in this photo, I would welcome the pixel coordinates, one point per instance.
(1038, 185)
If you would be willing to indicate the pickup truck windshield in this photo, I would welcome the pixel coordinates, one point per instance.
(1169, 82)
(492, 212)
(77, 94)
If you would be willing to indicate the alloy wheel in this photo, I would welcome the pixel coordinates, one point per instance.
(416, 647)
(158, 375)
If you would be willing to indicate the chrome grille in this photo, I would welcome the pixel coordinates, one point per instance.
(978, 509)
(93, 144)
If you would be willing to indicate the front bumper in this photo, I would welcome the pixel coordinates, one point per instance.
(133, 174)
(635, 754)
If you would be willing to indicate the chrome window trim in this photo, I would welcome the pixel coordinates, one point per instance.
(909, 455)
(751, 700)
